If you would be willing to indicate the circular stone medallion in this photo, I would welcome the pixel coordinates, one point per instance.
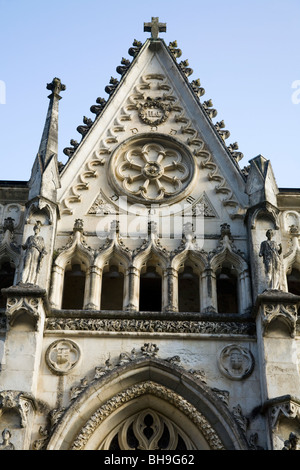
(152, 169)
(62, 356)
(236, 362)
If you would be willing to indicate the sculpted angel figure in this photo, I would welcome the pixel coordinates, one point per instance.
(34, 253)
(270, 252)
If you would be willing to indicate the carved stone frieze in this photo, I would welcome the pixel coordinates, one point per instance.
(150, 326)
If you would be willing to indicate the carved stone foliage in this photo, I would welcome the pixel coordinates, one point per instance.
(150, 326)
(62, 356)
(236, 362)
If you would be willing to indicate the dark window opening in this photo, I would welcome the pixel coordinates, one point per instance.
(150, 291)
(293, 281)
(7, 274)
(112, 289)
(188, 291)
(227, 291)
(74, 285)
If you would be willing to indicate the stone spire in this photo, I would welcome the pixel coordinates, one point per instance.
(49, 140)
(44, 176)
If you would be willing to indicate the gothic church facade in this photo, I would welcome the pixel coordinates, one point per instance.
(150, 285)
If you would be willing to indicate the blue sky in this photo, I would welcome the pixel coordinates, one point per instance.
(246, 54)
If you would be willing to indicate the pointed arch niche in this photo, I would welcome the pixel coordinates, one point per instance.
(7, 274)
(70, 286)
(112, 291)
(147, 403)
(191, 290)
(151, 276)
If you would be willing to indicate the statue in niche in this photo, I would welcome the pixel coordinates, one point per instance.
(270, 252)
(6, 444)
(34, 253)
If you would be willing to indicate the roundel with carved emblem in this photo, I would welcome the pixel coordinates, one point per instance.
(152, 169)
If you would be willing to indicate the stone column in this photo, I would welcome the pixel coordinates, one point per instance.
(92, 297)
(208, 290)
(132, 298)
(170, 290)
(276, 317)
(57, 286)
(245, 298)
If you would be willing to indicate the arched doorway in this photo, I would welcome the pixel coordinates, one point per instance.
(170, 409)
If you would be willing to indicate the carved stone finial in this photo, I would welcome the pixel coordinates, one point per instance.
(155, 27)
(56, 87)
(78, 225)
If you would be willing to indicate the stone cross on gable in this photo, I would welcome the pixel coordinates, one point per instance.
(155, 27)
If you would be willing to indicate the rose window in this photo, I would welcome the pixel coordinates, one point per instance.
(152, 171)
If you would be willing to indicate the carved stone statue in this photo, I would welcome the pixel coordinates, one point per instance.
(35, 251)
(6, 444)
(270, 253)
(292, 443)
